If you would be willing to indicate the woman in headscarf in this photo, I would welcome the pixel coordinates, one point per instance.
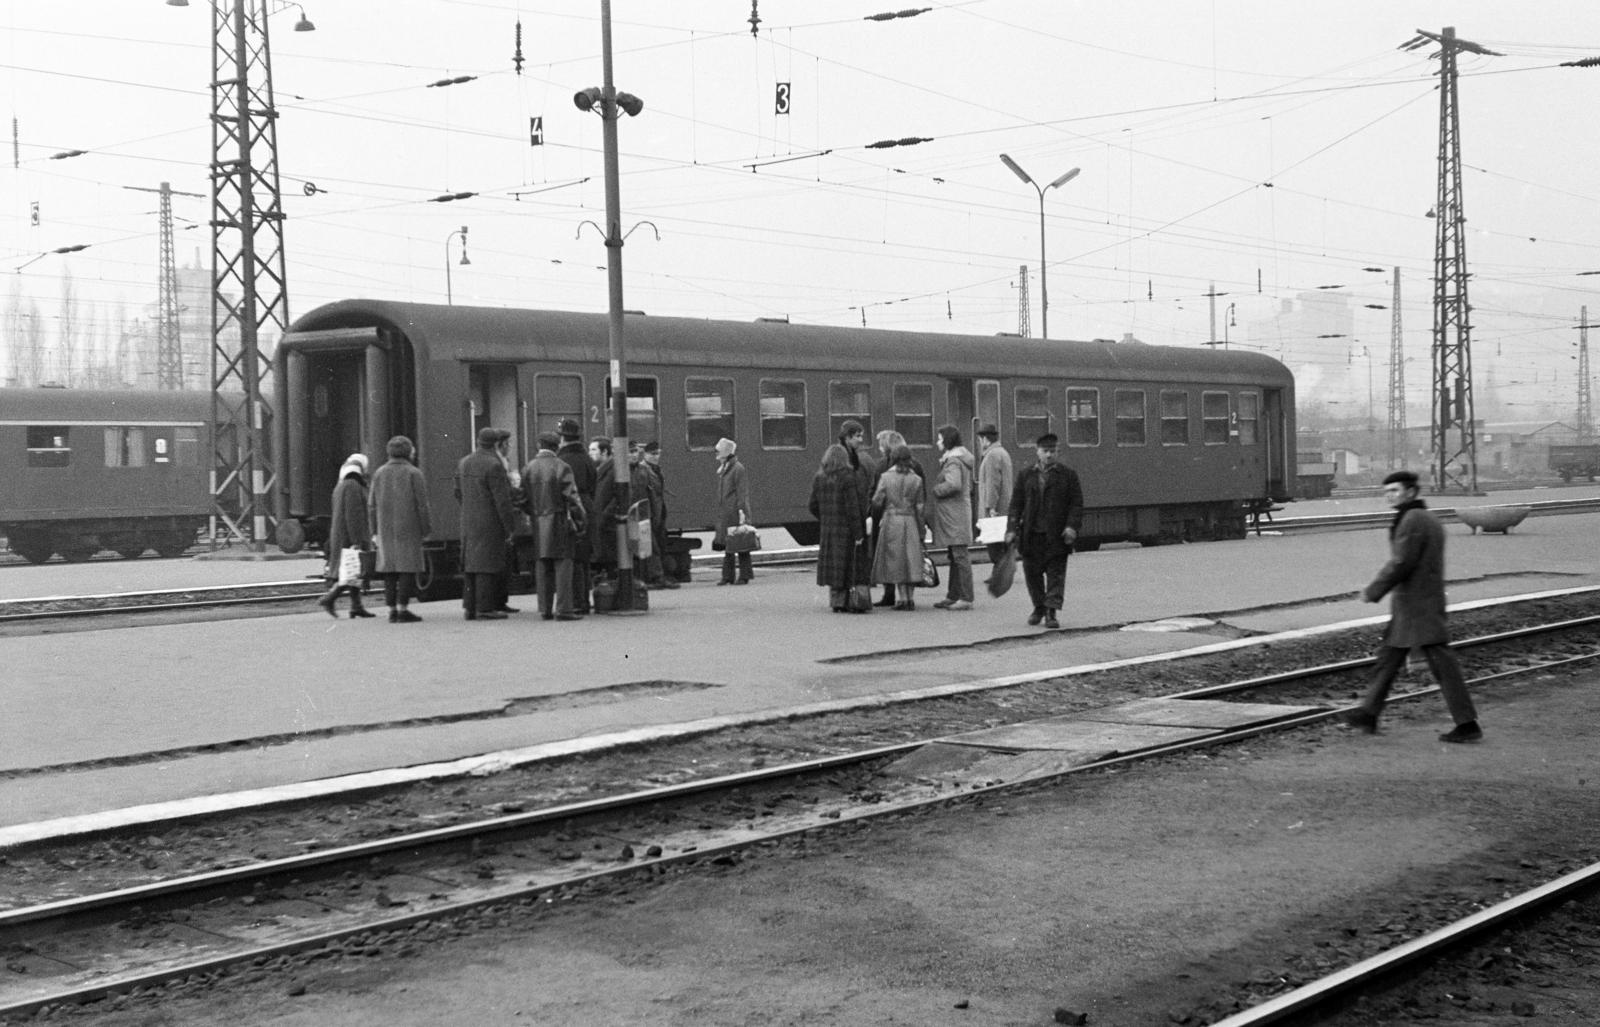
(348, 529)
(398, 507)
(837, 502)
(900, 495)
(733, 508)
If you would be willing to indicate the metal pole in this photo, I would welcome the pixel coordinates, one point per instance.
(449, 292)
(1044, 290)
(621, 468)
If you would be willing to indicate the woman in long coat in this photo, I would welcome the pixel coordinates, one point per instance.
(733, 507)
(952, 516)
(398, 506)
(900, 496)
(837, 501)
(349, 529)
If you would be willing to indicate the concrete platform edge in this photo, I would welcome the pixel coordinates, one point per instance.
(495, 762)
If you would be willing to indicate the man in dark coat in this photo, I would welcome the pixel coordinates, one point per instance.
(1044, 519)
(488, 521)
(1414, 576)
(575, 455)
(558, 522)
(660, 570)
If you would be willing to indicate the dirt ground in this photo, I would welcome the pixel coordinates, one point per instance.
(1155, 894)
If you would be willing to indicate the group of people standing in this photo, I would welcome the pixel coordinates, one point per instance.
(880, 514)
(564, 503)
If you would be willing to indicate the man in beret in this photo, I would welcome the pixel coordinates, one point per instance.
(488, 522)
(1044, 519)
(1414, 576)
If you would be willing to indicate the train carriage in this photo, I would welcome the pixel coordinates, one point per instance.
(86, 470)
(1171, 444)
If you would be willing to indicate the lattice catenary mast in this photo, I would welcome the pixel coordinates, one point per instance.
(249, 285)
(1397, 381)
(1024, 329)
(169, 337)
(1455, 460)
(1585, 407)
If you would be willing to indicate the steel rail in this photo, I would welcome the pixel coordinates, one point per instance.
(1311, 1002)
(365, 851)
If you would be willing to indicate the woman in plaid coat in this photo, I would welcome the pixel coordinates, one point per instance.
(837, 501)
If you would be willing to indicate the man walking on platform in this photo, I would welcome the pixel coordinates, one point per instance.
(558, 522)
(1045, 516)
(576, 456)
(1415, 577)
(488, 521)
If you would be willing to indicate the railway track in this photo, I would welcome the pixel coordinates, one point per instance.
(260, 913)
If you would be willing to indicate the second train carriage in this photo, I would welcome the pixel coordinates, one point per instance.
(1171, 444)
(83, 470)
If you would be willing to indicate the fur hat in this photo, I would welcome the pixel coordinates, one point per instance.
(726, 448)
(569, 429)
(490, 436)
(354, 462)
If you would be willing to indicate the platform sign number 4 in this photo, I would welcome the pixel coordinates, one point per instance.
(781, 104)
(536, 131)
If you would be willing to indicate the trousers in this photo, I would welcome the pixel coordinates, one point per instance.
(1046, 580)
(1446, 670)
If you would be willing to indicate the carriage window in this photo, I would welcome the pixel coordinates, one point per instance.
(988, 406)
(849, 401)
(1083, 417)
(49, 446)
(1249, 417)
(125, 447)
(557, 397)
(643, 409)
(708, 404)
(185, 447)
(913, 413)
(1214, 418)
(1174, 418)
(1032, 408)
(1130, 417)
(783, 414)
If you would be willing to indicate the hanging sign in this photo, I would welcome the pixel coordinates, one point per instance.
(536, 131)
(781, 105)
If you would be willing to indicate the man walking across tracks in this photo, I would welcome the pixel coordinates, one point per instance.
(488, 521)
(1415, 577)
(1045, 516)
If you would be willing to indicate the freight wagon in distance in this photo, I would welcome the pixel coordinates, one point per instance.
(1171, 444)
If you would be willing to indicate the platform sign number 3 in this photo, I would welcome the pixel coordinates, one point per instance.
(781, 102)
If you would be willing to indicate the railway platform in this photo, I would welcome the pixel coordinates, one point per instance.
(136, 724)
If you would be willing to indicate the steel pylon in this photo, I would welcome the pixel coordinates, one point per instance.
(249, 296)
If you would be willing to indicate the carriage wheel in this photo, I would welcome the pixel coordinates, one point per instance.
(31, 547)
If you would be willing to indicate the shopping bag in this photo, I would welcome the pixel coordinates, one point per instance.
(646, 540)
(930, 572)
(349, 567)
(1004, 572)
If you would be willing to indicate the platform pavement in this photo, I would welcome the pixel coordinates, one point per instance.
(293, 701)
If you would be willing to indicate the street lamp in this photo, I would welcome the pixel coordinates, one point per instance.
(1044, 291)
(449, 294)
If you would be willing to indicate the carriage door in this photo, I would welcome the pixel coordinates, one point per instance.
(1278, 455)
(493, 402)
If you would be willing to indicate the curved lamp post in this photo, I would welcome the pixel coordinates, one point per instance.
(449, 292)
(1044, 290)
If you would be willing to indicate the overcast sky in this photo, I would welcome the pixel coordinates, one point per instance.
(1268, 147)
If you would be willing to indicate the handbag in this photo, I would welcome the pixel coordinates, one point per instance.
(930, 572)
(350, 567)
(1004, 573)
